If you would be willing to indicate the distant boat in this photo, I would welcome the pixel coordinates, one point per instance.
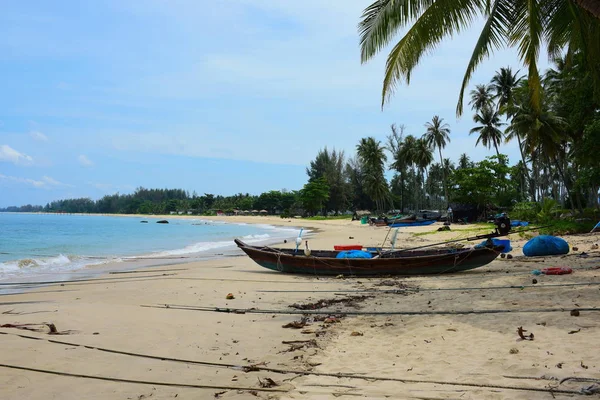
(413, 262)
(416, 222)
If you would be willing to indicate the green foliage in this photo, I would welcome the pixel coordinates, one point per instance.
(314, 195)
(161, 201)
(485, 183)
(372, 158)
(548, 211)
(528, 26)
(331, 166)
(567, 228)
(525, 211)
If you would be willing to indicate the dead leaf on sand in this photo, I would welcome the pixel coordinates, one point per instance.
(267, 383)
(295, 325)
(521, 333)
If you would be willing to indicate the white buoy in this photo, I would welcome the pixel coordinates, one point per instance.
(394, 236)
(299, 239)
(307, 250)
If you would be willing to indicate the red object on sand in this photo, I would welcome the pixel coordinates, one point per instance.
(557, 271)
(348, 247)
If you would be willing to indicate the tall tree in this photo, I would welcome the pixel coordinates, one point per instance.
(423, 157)
(438, 135)
(330, 165)
(464, 161)
(373, 158)
(528, 26)
(481, 97)
(406, 158)
(488, 128)
(395, 144)
(314, 194)
(504, 83)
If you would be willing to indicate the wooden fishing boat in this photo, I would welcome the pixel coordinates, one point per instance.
(416, 222)
(414, 262)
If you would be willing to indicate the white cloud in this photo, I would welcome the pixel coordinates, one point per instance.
(84, 160)
(39, 136)
(45, 183)
(8, 154)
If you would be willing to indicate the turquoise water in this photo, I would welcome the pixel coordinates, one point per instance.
(33, 244)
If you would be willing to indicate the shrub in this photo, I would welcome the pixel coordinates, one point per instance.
(525, 211)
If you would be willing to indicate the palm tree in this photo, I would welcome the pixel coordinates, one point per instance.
(406, 157)
(527, 25)
(481, 97)
(464, 161)
(542, 131)
(372, 156)
(504, 83)
(395, 145)
(437, 135)
(423, 156)
(489, 134)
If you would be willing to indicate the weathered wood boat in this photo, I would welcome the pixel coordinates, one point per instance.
(415, 262)
(417, 222)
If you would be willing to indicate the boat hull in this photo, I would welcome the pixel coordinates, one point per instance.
(395, 263)
(402, 224)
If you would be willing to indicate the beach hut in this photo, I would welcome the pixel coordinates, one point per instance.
(358, 214)
(263, 212)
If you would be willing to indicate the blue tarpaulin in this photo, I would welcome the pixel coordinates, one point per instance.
(515, 223)
(353, 254)
(545, 245)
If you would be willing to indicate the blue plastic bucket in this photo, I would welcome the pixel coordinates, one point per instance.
(503, 242)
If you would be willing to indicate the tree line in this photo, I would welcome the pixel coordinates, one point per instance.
(558, 145)
(165, 201)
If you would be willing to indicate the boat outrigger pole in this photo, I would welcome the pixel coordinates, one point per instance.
(502, 229)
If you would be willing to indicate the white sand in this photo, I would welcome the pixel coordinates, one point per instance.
(449, 348)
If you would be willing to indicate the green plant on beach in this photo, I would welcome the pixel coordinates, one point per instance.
(548, 211)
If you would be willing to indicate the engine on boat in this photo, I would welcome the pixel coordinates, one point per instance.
(502, 223)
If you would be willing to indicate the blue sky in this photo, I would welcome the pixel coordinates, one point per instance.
(212, 96)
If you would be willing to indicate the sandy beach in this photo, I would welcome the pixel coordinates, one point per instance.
(162, 352)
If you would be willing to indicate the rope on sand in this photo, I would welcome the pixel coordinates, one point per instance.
(418, 289)
(111, 379)
(583, 391)
(315, 312)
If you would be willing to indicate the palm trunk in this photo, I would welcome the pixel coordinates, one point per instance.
(444, 175)
(401, 191)
(527, 176)
(497, 152)
(416, 194)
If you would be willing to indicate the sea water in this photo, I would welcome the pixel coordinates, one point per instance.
(49, 245)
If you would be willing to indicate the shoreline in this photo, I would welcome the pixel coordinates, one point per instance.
(109, 313)
(93, 266)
